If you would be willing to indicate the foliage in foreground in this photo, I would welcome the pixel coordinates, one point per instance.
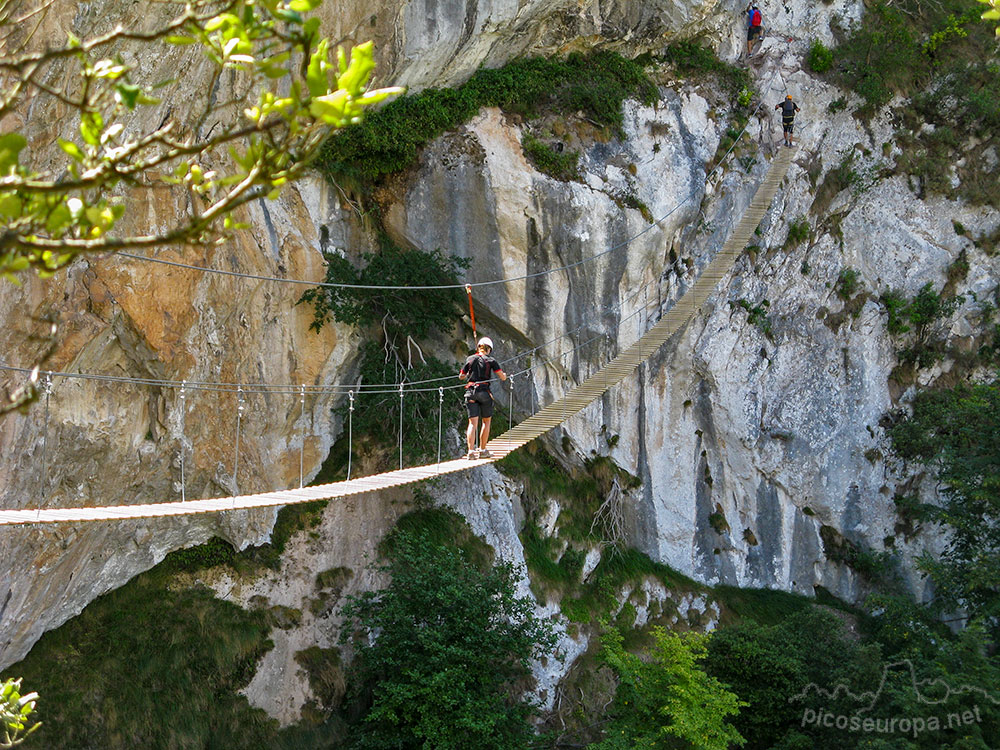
(51, 216)
(15, 713)
(442, 654)
(297, 95)
(667, 697)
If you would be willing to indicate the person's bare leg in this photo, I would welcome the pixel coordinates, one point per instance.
(484, 432)
(470, 434)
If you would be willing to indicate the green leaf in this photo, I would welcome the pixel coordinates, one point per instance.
(374, 97)
(10, 206)
(331, 108)
(10, 146)
(109, 69)
(71, 148)
(304, 6)
(316, 78)
(273, 71)
(219, 21)
(178, 40)
(58, 219)
(311, 27)
(289, 16)
(131, 95)
(91, 124)
(359, 70)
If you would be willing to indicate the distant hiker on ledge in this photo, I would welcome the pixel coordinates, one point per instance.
(755, 27)
(788, 109)
(478, 370)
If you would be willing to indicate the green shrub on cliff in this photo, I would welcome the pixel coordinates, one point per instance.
(956, 432)
(443, 653)
(388, 140)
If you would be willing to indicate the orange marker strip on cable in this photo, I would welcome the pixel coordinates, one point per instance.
(472, 313)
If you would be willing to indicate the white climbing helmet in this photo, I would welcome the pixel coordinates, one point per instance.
(485, 341)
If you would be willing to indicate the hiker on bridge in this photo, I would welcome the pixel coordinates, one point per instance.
(478, 370)
(788, 109)
(755, 26)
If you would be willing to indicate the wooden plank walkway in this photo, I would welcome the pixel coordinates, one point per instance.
(538, 424)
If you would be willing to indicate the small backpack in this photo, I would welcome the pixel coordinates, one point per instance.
(755, 17)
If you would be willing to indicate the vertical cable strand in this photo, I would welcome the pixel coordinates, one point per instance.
(350, 432)
(400, 425)
(183, 447)
(302, 433)
(45, 440)
(440, 409)
(239, 421)
(510, 406)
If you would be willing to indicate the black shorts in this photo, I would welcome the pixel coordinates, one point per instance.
(753, 32)
(788, 126)
(479, 403)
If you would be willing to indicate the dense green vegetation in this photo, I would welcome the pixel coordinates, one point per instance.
(771, 666)
(690, 57)
(442, 654)
(919, 326)
(151, 665)
(956, 432)
(401, 315)
(939, 56)
(667, 698)
(563, 165)
(389, 140)
(444, 650)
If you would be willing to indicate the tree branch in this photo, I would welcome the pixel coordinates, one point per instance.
(120, 33)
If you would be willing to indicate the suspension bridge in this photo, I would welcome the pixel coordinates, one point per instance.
(536, 425)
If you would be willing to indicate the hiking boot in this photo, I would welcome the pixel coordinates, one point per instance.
(472, 455)
(485, 454)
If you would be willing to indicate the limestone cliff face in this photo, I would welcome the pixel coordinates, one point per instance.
(96, 443)
(747, 444)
